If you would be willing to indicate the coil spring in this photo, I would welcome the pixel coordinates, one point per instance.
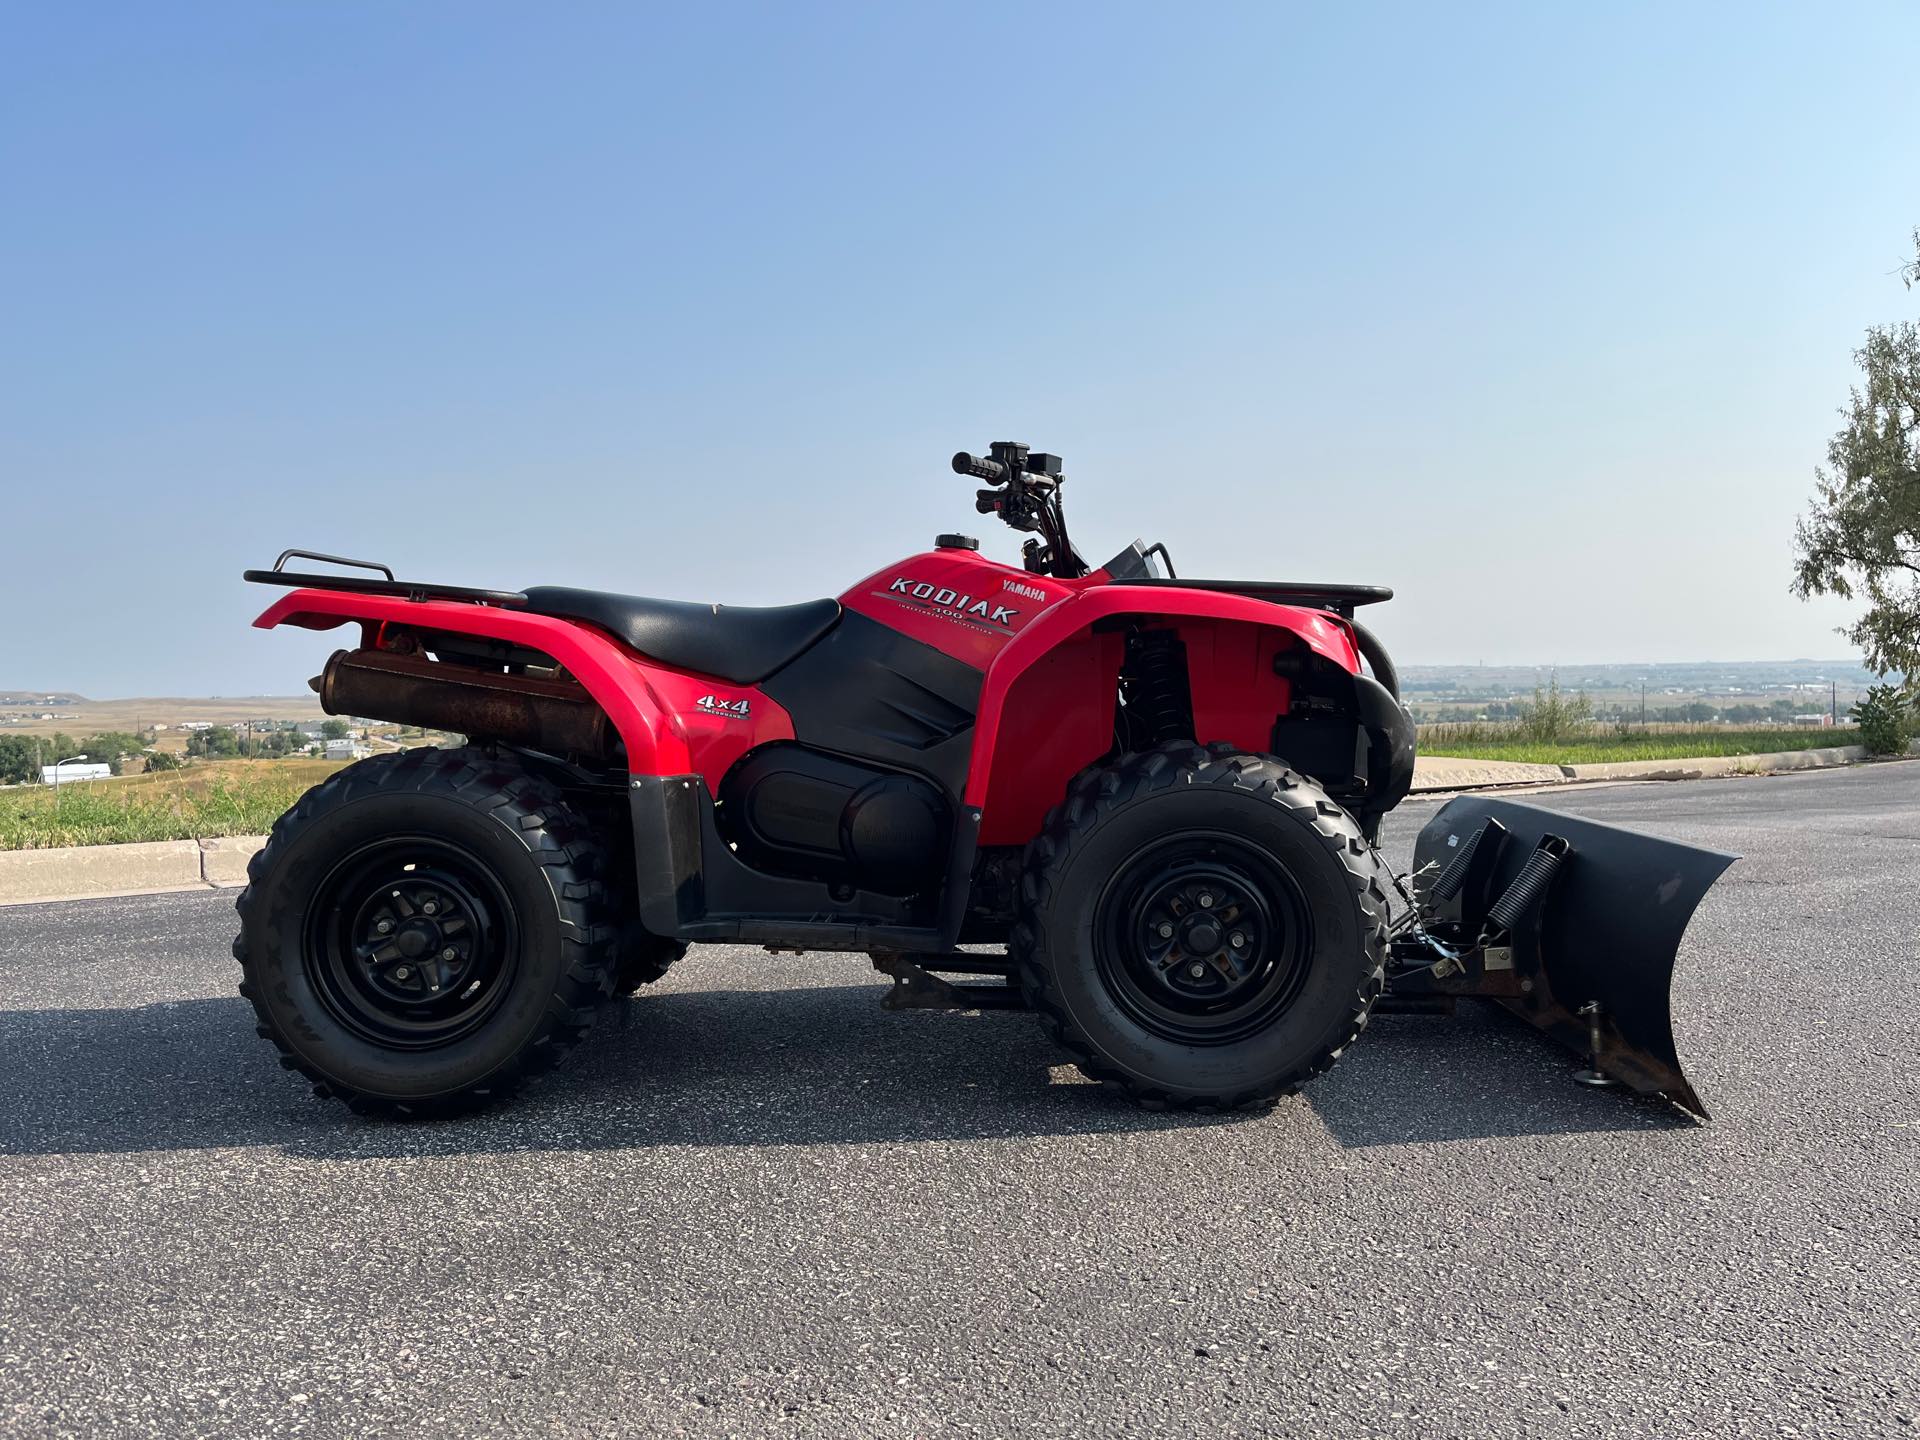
(1455, 875)
(1529, 885)
(1157, 693)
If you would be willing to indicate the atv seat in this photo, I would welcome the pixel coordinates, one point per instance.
(732, 642)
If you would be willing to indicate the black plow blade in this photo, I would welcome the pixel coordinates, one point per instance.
(1570, 924)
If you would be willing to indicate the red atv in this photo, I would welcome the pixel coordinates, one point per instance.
(1160, 796)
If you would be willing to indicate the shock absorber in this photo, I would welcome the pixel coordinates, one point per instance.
(1158, 695)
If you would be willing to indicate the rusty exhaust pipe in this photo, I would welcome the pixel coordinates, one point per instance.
(555, 716)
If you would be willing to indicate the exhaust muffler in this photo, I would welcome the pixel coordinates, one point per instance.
(551, 715)
(1570, 924)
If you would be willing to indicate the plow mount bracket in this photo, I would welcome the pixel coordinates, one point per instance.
(1571, 924)
(916, 987)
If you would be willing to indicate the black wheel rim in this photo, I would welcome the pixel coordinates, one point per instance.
(411, 942)
(1203, 938)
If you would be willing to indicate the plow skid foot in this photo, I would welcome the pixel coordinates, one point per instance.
(1571, 924)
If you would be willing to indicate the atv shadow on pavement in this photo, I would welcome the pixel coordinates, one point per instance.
(812, 1065)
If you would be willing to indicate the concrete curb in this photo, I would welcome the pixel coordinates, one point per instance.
(1445, 773)
(148, 867)
(1712, 765)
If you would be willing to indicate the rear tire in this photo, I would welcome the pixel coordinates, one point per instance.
(1201, 928)
(424, 931)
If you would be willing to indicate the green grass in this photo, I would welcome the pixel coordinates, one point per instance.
(202, 802)
(1501, 742)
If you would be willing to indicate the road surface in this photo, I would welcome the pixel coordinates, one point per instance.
(755, 1203)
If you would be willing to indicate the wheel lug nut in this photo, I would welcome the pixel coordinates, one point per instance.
(403, 972)
(447, 954)
(1236, 940)
(428, 908)
(383, 927)
(1206, 901)
(1166, 930)
(1197, 970)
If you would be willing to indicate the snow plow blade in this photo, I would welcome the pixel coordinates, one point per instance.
(1570, 924)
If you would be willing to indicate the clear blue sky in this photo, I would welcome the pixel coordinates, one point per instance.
(1540, 314)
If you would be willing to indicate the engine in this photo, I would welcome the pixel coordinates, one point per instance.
(790, 810)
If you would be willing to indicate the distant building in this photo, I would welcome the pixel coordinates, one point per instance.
(346, 750)
(67, 774)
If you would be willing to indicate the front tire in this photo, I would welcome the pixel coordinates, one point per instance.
(424, 931)
(644, 959)
(1202, 928)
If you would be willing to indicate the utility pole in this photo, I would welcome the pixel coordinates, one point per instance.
(1643, 704)
(1833, 702)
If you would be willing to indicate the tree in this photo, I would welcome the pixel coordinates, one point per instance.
(335, 730)
(1862, 536)
(17, 762)
(22, 756)
(216, 742)
(110, 747)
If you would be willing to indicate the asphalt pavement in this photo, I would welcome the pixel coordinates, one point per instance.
(755, 1203)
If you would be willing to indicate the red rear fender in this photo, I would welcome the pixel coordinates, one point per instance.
(672, 722)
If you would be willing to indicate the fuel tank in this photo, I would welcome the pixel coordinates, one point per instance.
(956, 600)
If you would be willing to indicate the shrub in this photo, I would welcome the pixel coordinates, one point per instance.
(1886, 720)
(1553, 714)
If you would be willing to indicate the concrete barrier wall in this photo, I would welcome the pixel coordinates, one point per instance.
(74, 872)
(98, 870)
(224, 862)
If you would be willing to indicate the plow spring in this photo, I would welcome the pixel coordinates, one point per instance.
(1570, 924)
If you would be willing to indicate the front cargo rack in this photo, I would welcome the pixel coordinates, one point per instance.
(356, 585)
(1340, 599)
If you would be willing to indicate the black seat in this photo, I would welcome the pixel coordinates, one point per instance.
(734, 642)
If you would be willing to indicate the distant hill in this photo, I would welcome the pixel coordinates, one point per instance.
(1702, 676)
(1745, 691)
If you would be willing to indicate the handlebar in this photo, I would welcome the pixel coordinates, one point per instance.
(990, 470)
(1026, 495)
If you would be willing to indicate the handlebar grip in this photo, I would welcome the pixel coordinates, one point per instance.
(991, 470)
(987, 502)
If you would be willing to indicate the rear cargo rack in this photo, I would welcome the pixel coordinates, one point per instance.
(387, 585)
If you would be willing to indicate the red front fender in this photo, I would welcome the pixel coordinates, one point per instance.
(1052, 689)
